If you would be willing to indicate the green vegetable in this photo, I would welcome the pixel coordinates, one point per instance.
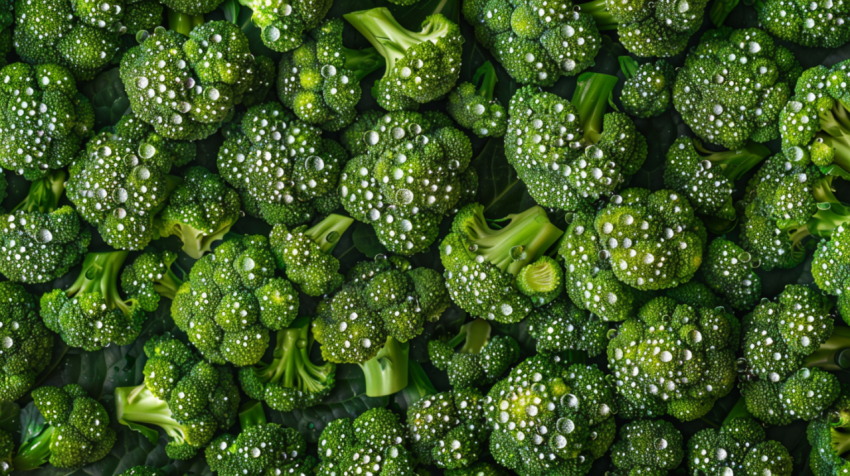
(728, 271)
(562, 326)
(829, 438)
(284, 24)
(27, 344)
(648, 89)
(482, 359)
(647, 447)
(150, 277)
(448, 429)
(477, 109)
(822, 25)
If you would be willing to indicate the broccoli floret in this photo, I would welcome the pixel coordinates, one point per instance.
(369, 321)
(648, 89)
(305, 254)
(481, 468)
(831, 269)
(187, 397)
(830, 439)
(43, 101)
(192, 7)
(740, 445)
(232, 301)
(41, 240)
(413, 170)
(120, 182)
(187, 87)
(284, 24)
(76, 432)
(27, 344)
(567, 152)
(536, 44)
(149, 277)
(734, 85)
(283, 168)
(483, 264)
(548, 417)
(420, 66)
(448, 429)
(562, 326)
(200, 211)
(729, 271)
(482, 359)
(647, 447)
(291, 380)
(821, 25)
(477, 109)
(320, 80)
(91, 314)
(708, 178)
(677, 354)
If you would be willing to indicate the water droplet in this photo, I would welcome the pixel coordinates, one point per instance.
(518, 253)
(120, 195)
(146, 151)
(328, 70)
(247, 264)
(45, 236)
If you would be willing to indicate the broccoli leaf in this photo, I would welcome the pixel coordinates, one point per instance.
(108, 98)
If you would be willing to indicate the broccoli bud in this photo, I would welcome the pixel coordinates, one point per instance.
(375, 442)
(820, 25)
(149, 277)
(828, 434)
(647, 447)
(562, 326)
(482, 359)
(283, 25)
(648, 89)
(729, 271)
(477, 109)
(27, 344)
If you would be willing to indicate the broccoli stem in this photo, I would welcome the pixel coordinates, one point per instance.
(834, 354)
(387, 372)
(137, 406)
(100, 273)
(827, 219)
(197, 242)
(362, 62)
(591, 98)
(839, 440)
(735, 163)
(486, 75)
(44, 193)
(598, 9)
(722, 8)
(835, 124)
(475, 336)
(34, 453)
(183, 23)
(252, 414)
(542, 276)
(327, 232)
(291, 366)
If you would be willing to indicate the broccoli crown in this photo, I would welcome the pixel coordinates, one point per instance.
(734, 85)
(550, 418)
(120, 182)
(191, 7)
(819, 25)
(484, 265)
(320, 80)
(375, 442)
(265, 448)
(830, 439)
(421, 66)
(187, 87)
(831, 269)
(562, 326)
(149, 277)
(708, 178)
(305, 254)
(646, 446)
(478, 109)
(91, 314)
(232, 300)
(42, 100)
(27, 344)
(739, 446)
(284, 24)
(200, 211)
(729, 271)
(648, 91)
(448, 429)
(482, 359)
(42, 241)
(408, 172)
(680, 355)
(803, 395)
(567, 152)
(536, 44)
(291, 380)
(283, 168)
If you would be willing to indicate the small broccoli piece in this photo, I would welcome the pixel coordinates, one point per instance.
(76, 432)
(695, 294)
(542, 281)
(480, 468)
(448, 429)
(187, 397)
(41, 240)
(477, 109)
(283, 168)
(405, 204)
(305, 254)
(647, 447)
(320, 80)
(120, 182)
(568, 152)
(42, 100)
(648, 89)
(380, 307)
(708, 178)
(482, 359)
(548, 417)
(562, 326)
(743, 100)
(741, 446)
(483, 264)
(192, 7)
(821, 25)
(729, 271)
(187, 87)
(232, 301)
(200, 211)
(830, 439)
(91, 314)
(27, 344)
(149, 277)
(284, 25)
(420, 66)
(831, 269)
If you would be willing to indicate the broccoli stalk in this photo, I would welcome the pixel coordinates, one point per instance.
(137, 407)
(34, 453)
(183, 23)
(44, 193)
(598, 9)
(252, 414)
(485, 75)
(168, 284)
(835, 127)
(834, 354)
(830, 215)
(387, 372)
(474, 335)
(591, 99)
(362, 62)
(733, 164)
(327, 232)
(101, 273)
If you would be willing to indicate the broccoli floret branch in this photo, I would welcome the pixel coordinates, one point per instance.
(137, 407)
(101, 273)
(591, 99)
(835, 127)
(183, 23)
(34, 453)
(362, 62)
(251, 414)
(44, 193)
(834, 354)
(839, 440)
(168, 285)
(327, 232)
(598, 9)
(387, 372)
(485, 75)
(733, 164)
(474, 335)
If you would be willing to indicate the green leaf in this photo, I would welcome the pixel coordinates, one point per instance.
(231, 10)
(366, 240)
(628, 65)
(499, 188)
(720, 10)
(836, 171)
(107, 96)
(31, 423)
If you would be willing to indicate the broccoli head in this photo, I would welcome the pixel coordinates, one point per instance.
(829, 435)
(647, 447)
(831, 269)
(421, 66)
(120, 182)
(478, 109)
(568, 152)
(562, 326)
(733, 86)
(149, 277)
(284, 24)
(484, 265)
(283, 168)
(481, 360)
(232, 301)
(409, 171)
(648, 88)
(320, 80)
(739, 446)
(191, 7)
(381, 306)
(187, 397)
(820, 25)
(729, 271)
(187, 87)
(27, 344)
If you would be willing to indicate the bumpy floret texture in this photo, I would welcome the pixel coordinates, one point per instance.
(315, 271)
(192, 7)
(266, 448)
(448, 429)
(561, 326)
(485, 117)
(831, 269)
(822, 25)
(284, 24)
(648, 93)
(482, 468)
(647, 446)
(739, 445)
(470, 367)
(734, 85)
(27, 344)
(828, 436)
(729, 271)
(688, 173)
(149, 277)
